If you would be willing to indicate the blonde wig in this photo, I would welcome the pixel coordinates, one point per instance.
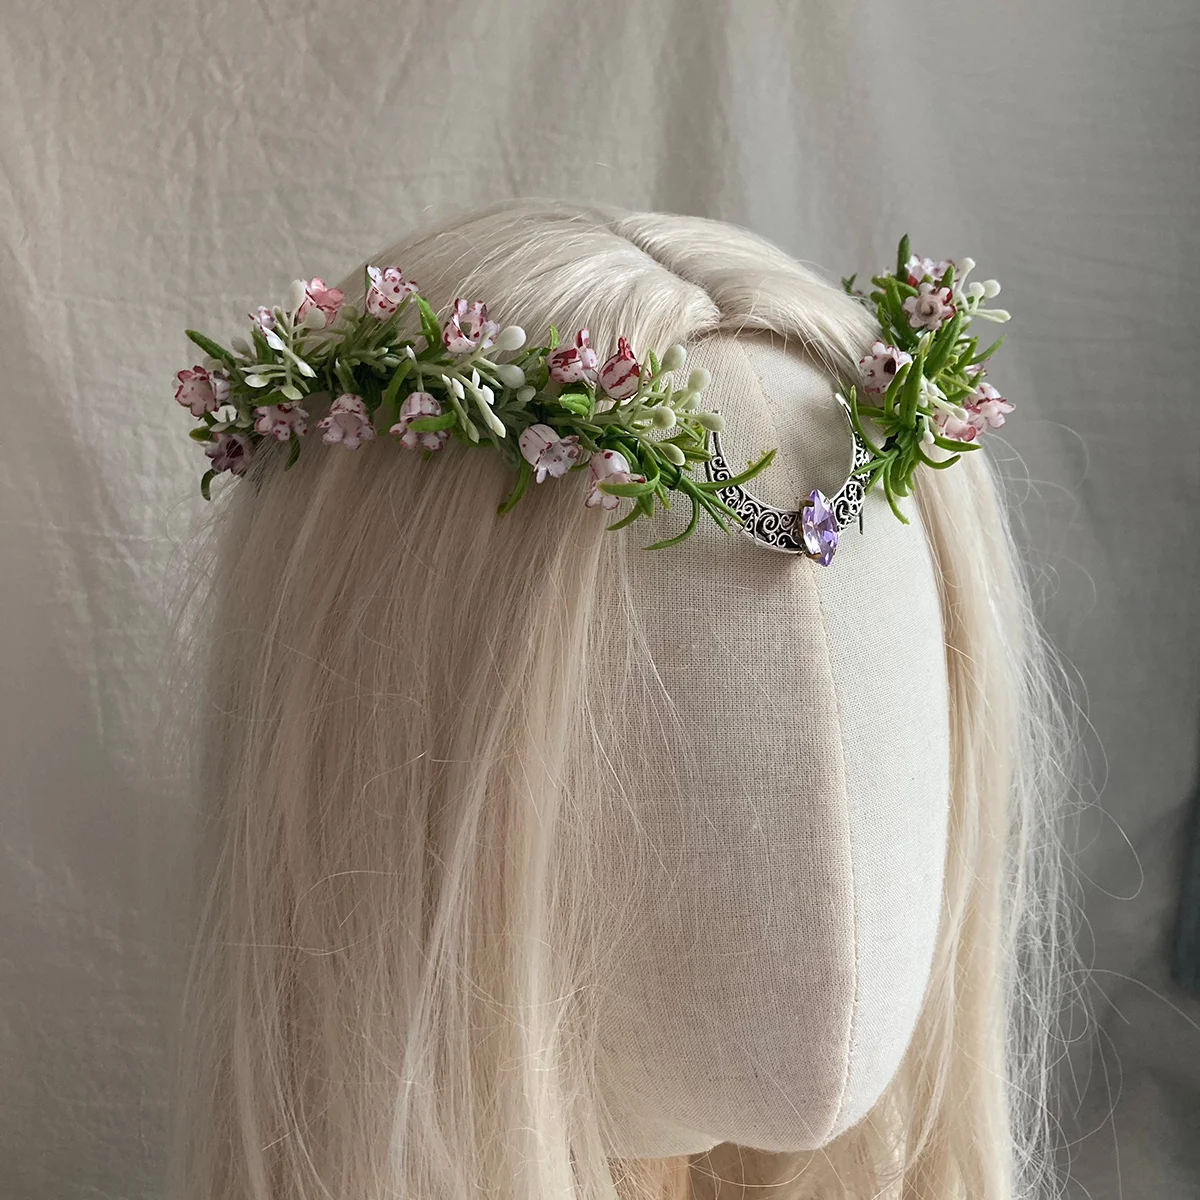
(410, 700)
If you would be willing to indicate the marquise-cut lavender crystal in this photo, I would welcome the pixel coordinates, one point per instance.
(819, 527)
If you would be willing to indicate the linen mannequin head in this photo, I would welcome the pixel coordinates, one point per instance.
(541, 853)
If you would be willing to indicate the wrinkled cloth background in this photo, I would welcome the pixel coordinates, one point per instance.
(171, 164)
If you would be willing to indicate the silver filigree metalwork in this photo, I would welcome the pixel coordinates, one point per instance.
(779, 528)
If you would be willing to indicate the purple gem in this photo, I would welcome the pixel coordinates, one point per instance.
(819, 527)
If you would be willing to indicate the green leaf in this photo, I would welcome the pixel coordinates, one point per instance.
(989, 351)
(629, 489)
(431, 327)
(902, 256)
(200, 434)
(576, 402)
(687, 533)
(628, 519)
(943, 344)
(205, 481)
(210, 347)
(264, 352)
(524, 475)
(911, 395)
(755, 468)
(446, 420)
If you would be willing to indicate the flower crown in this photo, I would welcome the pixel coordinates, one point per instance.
(632, 424)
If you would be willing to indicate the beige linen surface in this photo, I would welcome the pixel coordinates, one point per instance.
(780, 933)
(165, 164)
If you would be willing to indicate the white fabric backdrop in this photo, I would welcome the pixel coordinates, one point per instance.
(164, 164)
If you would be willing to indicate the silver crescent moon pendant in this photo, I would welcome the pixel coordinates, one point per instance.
(778, 528)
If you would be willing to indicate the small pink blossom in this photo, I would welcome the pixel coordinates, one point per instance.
(988, 406)
(348, 422)
(958, 429)
(201, 391)
(879, 367)
(609, 466)
(548, 453)
(279, 420)
(930, 307)
(920, 268)
(317, 295)
(984, 409)
(264, 318)
(570, 364)
(388, 288)
(621, 374)
(419, 404)
(468, 328)
(229, 452)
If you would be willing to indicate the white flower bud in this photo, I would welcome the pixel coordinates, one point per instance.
(213, 364)
(991, 287)
(273, 340)
(684, 401)
(698, 380)
(711, 420)
(662, 417)
(965, 267)
(510, 374)
(674, 358)
(296, 294)
(314, 319)
(975, 291)
(525, 394)
(673, 454)
(241, 346)
(257, 381)
(488, 395)
(409, 352)
(927, 435)
(511, 337)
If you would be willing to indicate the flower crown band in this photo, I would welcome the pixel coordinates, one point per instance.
(635, 425)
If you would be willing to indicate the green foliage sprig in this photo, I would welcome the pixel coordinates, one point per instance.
(369, 361)
(935, 397)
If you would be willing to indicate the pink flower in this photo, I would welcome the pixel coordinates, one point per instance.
(278, 420)
(229, 452)
(930, 307)
(317, 295)
(547, 453)
(919, 268)
(880, 366)
(570, 364)
(958, 429)
(264, 318)
(468, 328)
(419, 404)
(388, 288)
(988, 407)
(348, 422)
(201, 391)
(621, 374)
(984, 409)
(609, 466)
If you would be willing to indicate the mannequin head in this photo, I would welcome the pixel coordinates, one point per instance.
(539, 854)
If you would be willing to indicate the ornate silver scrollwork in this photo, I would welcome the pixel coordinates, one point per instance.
(778, 528)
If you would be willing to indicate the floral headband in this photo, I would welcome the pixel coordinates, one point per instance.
(630, 423)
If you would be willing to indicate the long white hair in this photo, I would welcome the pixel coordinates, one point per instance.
(390, 993)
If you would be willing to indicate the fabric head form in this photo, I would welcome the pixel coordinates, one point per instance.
(775, 884)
